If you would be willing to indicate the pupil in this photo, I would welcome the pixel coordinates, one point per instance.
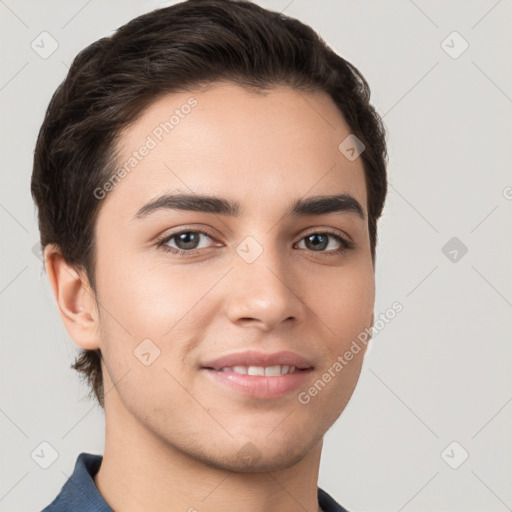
(315, 242)
(185, 237)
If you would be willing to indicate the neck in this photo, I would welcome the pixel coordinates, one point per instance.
(141, 471)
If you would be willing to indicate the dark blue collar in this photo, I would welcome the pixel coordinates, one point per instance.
(80, 493)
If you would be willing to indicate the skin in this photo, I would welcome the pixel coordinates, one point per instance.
(173, 436)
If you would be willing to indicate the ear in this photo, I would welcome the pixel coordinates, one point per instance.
(75, 299)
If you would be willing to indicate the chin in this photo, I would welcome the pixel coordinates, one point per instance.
(263, 464)
(258, 457)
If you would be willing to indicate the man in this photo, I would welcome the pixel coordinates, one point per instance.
(208, 182)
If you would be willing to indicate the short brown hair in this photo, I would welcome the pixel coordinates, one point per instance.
(174, 49)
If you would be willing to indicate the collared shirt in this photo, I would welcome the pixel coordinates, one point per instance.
(80, 494)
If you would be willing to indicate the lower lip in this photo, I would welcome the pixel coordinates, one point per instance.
(259, 386)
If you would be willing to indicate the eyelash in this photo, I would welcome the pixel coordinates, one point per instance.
(346, 245)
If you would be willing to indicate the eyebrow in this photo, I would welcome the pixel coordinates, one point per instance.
(317, 205)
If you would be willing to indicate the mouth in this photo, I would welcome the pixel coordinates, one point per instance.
(262, 371)
(256, 362)
(258, 375)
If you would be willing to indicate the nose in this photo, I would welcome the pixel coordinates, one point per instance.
(264, 292)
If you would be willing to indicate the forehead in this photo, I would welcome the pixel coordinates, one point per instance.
(227, 140)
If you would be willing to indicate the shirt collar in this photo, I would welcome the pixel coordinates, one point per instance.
(80, 493)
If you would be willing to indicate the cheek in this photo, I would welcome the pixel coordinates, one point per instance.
(153, 308)
(149, 295)
(345, 304)
(346, 311)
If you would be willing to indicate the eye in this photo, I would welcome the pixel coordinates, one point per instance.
(186, 241)
(319, 241)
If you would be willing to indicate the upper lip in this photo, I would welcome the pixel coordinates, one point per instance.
(254, 358)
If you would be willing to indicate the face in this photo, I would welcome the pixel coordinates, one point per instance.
(181, 287)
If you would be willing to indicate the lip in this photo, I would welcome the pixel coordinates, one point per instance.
(255, 358)
(259, 386)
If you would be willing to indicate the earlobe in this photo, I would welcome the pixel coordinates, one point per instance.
(75, 299)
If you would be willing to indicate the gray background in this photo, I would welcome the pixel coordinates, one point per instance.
(438, 373)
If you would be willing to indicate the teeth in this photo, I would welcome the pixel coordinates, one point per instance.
(255, 370)
(270, 371)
